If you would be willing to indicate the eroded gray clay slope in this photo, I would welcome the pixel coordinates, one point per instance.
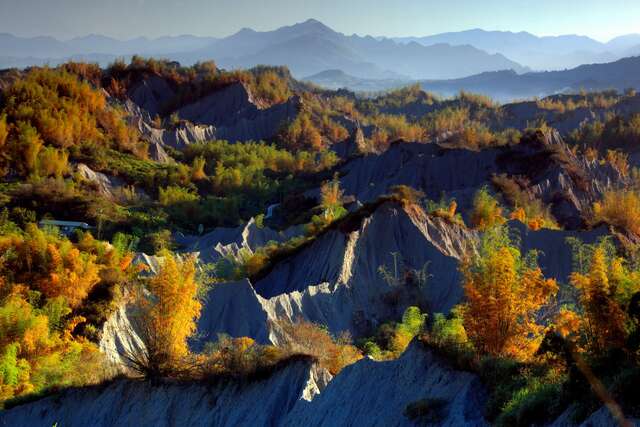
(237, 117)
(336, 282)
(229, 114)
(367, 393)
(228, 241)
(130, 403)
(566, 183)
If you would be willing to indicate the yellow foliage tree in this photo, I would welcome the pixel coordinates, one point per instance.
(487, 212)
(503, 295)
(603, 317)
(331, 199)
(51, 265)
(620, 208)
(168, 311)
(308, 338)
(197, 169)
(302, 134)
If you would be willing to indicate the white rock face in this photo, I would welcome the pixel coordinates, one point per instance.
(119, 338)
(107, 185)
(236, 117)
(376, 394)
(183, 135)
(365, 394)
(224, 241)
(335, 280)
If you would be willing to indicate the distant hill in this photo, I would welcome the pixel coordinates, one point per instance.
(23, 51)
(507, 85)
(539, 53)
(306, 48)
(338, 79)
(311, 47)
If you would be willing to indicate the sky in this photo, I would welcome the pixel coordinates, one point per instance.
(599, 19)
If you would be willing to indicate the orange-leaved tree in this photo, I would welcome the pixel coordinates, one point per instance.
(504, 291)
(486, 212)
(304, 337)
(620, 208)
(50, 264)
(602, 289)
(168, 307)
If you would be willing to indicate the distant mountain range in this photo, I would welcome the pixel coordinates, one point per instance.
(306, 48)
(310, 48)
(508, 86)
(538, 53)
(48, 47)
(338, 79)
(504, 86)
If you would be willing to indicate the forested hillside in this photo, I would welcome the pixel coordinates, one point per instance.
(240, 236)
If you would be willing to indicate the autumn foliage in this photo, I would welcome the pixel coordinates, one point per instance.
(503, 294)
(604, 289)
(47, 113)
(168, 307)
(487, 212)
(304, 337)
(620, 208)
(44, 281)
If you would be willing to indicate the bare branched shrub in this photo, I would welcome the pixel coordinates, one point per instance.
(304, 337)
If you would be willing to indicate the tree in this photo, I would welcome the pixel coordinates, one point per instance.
(331, 199)
(486, 212)
(302, 134)
(620, 208)
(304, 337)
(197, 169)
(29, 146)
(503, 294)
(604, 319)
(4, 135)
(168, 309)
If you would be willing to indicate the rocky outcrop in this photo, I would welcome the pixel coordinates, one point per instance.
(137, 403)
(236, 117)
(158, 154)
(520, 115)
(151, 94)
(222, 241)
(335, 281)
(353, 146)
(108, 186)
(179, 137)
(119, 338)
(367, 393)
(426, 167)
(377, 394)
(553, 174)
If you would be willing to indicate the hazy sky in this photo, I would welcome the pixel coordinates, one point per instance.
(600, 19)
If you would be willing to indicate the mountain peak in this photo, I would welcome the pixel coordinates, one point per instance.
(313, 24)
